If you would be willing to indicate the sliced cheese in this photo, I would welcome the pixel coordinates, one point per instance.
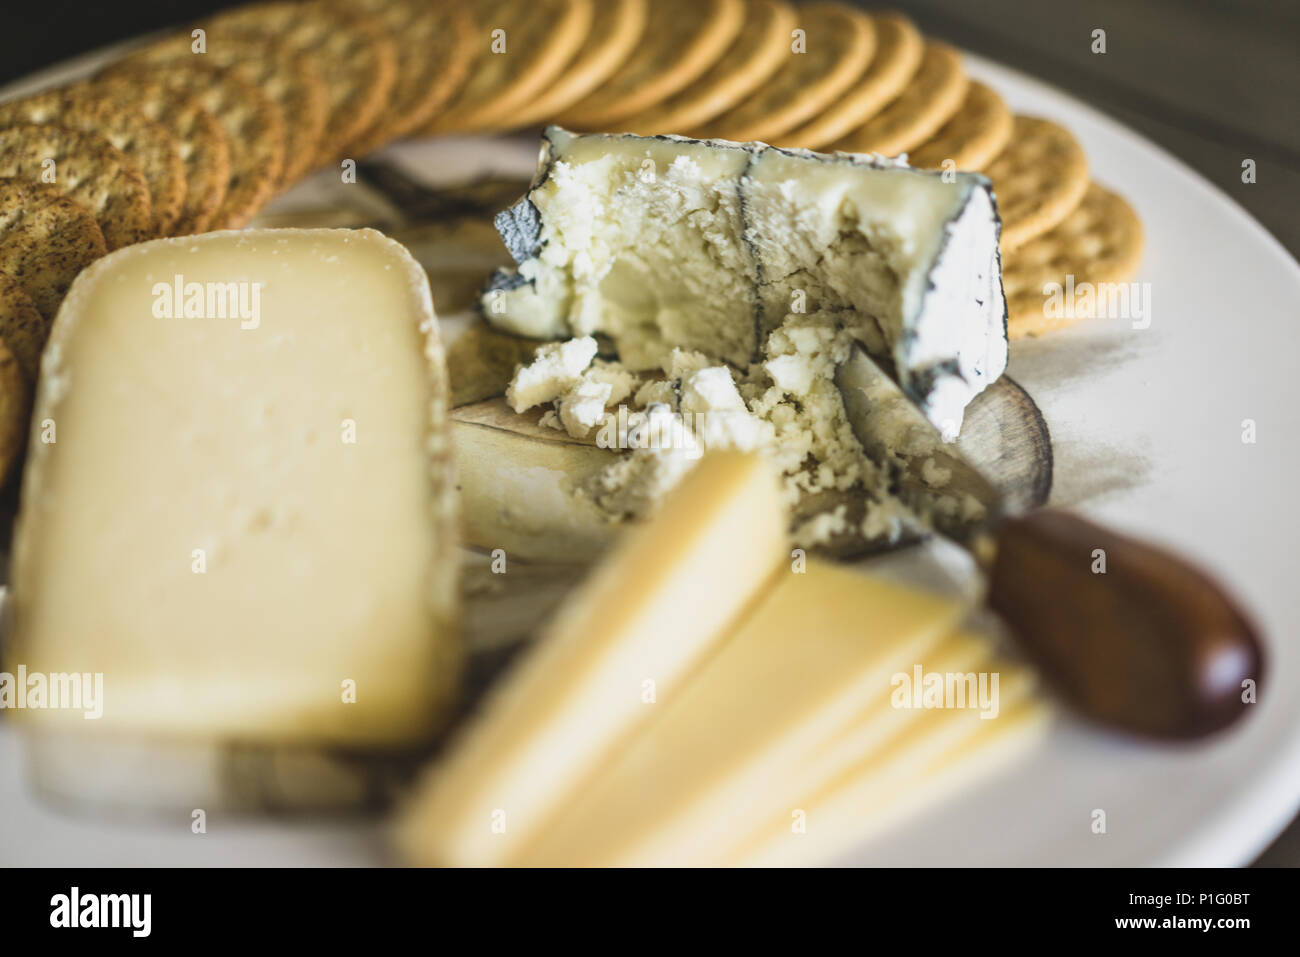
(616, 654)
(733, 745)
(238, 507)
(941, 751)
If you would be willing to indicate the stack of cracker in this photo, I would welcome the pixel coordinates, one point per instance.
(199, 130)
(822, 76)
(196, 132)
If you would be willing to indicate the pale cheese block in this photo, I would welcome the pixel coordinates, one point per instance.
(246, 524)
(616, 654)
(732, 747)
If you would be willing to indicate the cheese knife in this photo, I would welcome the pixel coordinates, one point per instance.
(1131, 635)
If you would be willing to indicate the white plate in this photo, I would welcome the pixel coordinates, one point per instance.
(1147, 430)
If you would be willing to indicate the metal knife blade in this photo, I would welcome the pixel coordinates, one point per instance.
(1154, 645)
(931, 475)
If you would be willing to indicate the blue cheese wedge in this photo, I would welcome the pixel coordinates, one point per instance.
(659, 243)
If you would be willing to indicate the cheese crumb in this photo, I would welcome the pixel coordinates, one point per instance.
(785, 405)
(552, 372)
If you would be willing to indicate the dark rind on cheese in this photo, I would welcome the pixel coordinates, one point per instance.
(760, 279)
(521, 228)
(504, 280)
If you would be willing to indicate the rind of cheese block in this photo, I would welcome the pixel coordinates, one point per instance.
(941, 752)
(615, 654)
(147, 777)
(243, 522)
(662, 242)
(733, 745)
(518, 484)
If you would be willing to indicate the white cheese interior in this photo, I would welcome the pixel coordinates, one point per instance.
(642, 246)
(907, 262)
(236, 521)
(663, 243)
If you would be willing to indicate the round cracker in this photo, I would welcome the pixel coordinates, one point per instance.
(434, 47)
(253, 125)
(285, 75)
(204, 149)
(616, 28)
(1099, 242)
(928, 101)
(46, 239)
(15, 407)
(682, 40)
(897, 55)
(87, 168)
(352, 54)
(1039, 177)
(149, 145)
(976, 133)
(760, 49)
(22, 327)
(837, 44)
(522, 45)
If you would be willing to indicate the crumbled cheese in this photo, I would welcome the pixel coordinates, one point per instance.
(934, 474)
(622, 383)
(582, 408)
(792, 374)
(786, 406)
(662, 391)
(553, 372)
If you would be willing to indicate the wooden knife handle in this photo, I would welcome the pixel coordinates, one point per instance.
(1133, 636)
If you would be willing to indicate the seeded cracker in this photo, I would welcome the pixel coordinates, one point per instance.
(352, 54)
(1099, 242)
(898, 54)
(522, 46)
(15, 407)
(682, 40)
(838, 44)
(617, 27)
(286, 76)
(87, 168)
(204, 149)
(973, 137)
(148, 144)
(253, 125)
(22, 327)
(46, 238)
(434, 49)
(758, 52)
(927, 102)
(1039, 178)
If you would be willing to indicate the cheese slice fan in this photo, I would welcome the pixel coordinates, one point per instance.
(610, 660)
(729, 751)
(941, 752)
(1142, 641)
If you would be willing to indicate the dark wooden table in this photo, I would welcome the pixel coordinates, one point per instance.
(1212, 81)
